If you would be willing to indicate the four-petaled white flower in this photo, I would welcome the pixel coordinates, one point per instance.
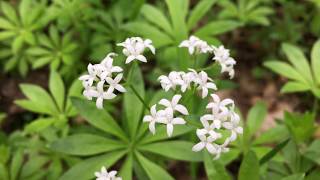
(134, 48)
(204, 85)
(155, 117)
(171, 81)
(233, 126)
(105, 175)
(108, 67)
(88, 79)
(114, 84)
(195, 45)
(222, 56)
(217, 105)
(174, 104)
(170, 120)
(100, 94)
(205, 142)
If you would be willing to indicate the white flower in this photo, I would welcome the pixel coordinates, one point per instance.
(114, 84)
(222, 55)
(171, 81)
(234, 126)
(217, 105)
(108, 67)
(187, 78)
(205, 142)
(89, 91)
(204, 85)
(219, 149)
(134, 47)
(174, 104)
(170, 121)
(88, 79)
(154, 118)
(216, 122)
(100, 94)
(105, 175)
(195, 45)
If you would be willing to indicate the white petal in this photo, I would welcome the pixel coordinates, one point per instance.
(215, 98)
(204, 92)
(130, 58)
(141, 58)
(239, 130)
(178, 121)
(109, 95)
(211, 86)
(165, 102)
(99, 103)
(152, 127)
(201, 134)
(100, 86)
(116, 69)
(147, 118)
(180, 108)
(169, 129)
(175, 99)
(227, 125)
(217, 123)
(153, 110)
(199, 146)
(211, 148)
(112, 173)
(120, 88)
(207, 117)
(233, 136)
(226, 102)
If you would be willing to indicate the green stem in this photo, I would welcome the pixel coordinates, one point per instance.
(139, 97)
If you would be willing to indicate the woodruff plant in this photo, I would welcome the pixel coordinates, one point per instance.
(220, 126)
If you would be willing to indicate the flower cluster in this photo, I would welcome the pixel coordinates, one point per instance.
(100, 77)
(221, 55)
(196, 45)
(166, 116)
(134, 47)
(185, 80)
(105, 175)
(222, 117)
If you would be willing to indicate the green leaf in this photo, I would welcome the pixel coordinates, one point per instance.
(298, 176)
(179, 150)
(38, 125)
(256, 116)
(5, 154)
(284, 69)
(16, 164)
(38, 51)
(291, 87)
(313, 152)
(75, 90)
(301, 126)
(127, 167)
(217, 27)
(275, 134)
(9, 12)
(56, 88)
(214, 168)
(273, 152)
(315, 61)
(249, 168)
(85, 169)
(132, 104)
(158, 38)
(156, 17)
(40, 62)
(199, 11)
(177, 15)
(5, 24)
(299, 61)
(39, 98)
(33, 165)
(54, 36)
(6, 34)
(85, 144)
(3, 172)
(100, 119)
(154, 171)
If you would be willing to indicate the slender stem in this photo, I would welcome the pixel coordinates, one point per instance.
(139, 97)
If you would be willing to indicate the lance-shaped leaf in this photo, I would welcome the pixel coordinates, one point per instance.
(57, 90)
(249, 168)
(214, 168)
(100, 119)
(154, 171)
(85, 144)
(85, 169)
(199, 11)
(217, 27)
(179, 150)
(315, 61)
